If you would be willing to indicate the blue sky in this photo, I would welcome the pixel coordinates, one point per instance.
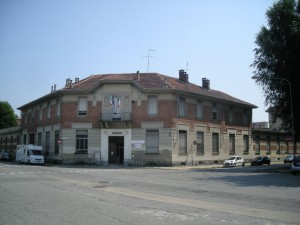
(44, 42)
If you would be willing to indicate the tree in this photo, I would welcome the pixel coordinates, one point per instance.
(277, 61)
(7, 116)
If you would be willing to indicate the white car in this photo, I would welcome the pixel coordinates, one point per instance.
(234, 161)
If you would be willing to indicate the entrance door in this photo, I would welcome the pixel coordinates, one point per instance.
(116, 150)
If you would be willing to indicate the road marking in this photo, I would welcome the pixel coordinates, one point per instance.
(284, 216)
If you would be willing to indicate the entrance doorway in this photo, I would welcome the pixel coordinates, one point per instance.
(116, 150)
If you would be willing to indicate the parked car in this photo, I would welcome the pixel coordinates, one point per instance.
(288, 159)
(5, 156)
(295, 168)
(234, 161)
(260, 160)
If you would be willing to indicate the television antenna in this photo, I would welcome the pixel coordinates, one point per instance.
(149, 56)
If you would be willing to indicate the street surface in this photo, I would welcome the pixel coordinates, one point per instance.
(61, 195)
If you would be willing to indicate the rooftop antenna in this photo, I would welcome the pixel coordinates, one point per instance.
(186, 68)
(149, 56)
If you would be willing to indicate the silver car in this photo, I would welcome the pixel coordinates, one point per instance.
(234, 161)
(295, 168)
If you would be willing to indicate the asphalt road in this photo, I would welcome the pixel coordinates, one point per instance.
(67, 195)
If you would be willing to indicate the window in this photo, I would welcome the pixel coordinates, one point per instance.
(199, 109)
(82, 141)
(200, 143)
(245, 117)
(32, 115)
(278, 145)
(214, 112)
(152, 141)
(257, 145)
(215, 143)
(231, 115)
(39, 139)
(56, 144)
(231, 144)
(57, 108)
(181, 109)
(24, 139)
(152, 105)
(286, 147)
(182, 142)
(82, 106)
(47, 142)
(268, 147)
(48, 110)
(40, 113)
(246, 144)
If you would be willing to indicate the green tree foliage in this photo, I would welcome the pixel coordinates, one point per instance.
(7, 116)
(277, 61)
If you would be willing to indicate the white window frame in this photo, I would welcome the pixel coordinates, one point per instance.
(82, 106)
(152, 105)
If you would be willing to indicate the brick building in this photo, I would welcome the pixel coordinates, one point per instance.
(142, 118)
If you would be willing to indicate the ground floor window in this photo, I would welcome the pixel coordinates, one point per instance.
(56, 144)
(47, 142)
(257, 145)
(215, 143)
(268, 145)
(152, 141)
(182, 142)
(82, 141)
(231, 144)
(39, 139)
(246, 144)
(200, 143)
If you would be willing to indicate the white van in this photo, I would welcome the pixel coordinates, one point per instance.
(30, 154)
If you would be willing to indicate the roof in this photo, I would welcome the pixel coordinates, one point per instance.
(145, 81)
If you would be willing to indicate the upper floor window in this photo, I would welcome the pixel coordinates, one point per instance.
(82, 106)
(40, 113)
(245, 117)
(152, 105)
(181, 107)
(58, 108)
(214, 111)
(48, 110)
(199, 109)
(231, 115)
(32, 115)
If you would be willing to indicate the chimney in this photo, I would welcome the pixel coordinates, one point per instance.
(183, 76)
(54, 87)
(138, 75)
(205, 83)
(51, 89)
(68, 83)
(76, 79)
